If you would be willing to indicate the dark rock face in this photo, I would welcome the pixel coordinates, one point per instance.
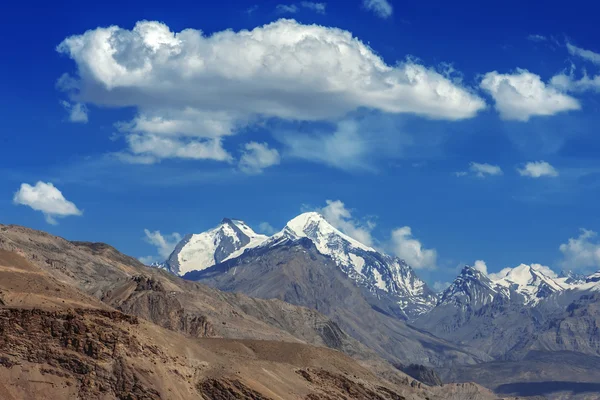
(146, 283)
(227, 244)
(227, 389)
(423, 374)
(85, 344)
(337, 386)
(150, 301)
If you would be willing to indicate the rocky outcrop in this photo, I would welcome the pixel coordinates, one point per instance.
(84, 344)
(422, 373)
(227, 389)
(150, 301)
(336, 386)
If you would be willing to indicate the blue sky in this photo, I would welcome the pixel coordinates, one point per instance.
(476, 127)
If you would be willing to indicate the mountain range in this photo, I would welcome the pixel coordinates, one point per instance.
(481, 322)
(82, 320)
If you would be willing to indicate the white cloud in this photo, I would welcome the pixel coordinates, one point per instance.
(544, 270)
(252, 9)
(77, 112)
(481, 266)
(164, 244)
(537, 38)
(45, 197)
(266, 228)
(481, 170)
(582, 252)
(258, 156)
(411, 250)
(583, 53)
(499, 275)
(521, 95)
(193, 90)
(381, 8)
(149, 147)
(569, 83)
(345, 148)
(319, 8)
(286, 8)
(336, 213)
(538, 169)
(440, 286)
(401, 243)
(147, 260)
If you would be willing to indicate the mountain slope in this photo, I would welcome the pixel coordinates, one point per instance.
(296, 272)
(520, 311)
(76, 347)
(378, 273)
(59, 340)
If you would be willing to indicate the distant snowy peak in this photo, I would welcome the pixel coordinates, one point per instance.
(532, 282)
(315, 227)
(571, 278)
(471, 288)
(200, 251)
(362, 263)
(525, 283)
(593, 278)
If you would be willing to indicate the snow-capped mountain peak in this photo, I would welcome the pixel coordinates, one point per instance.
(200, 251)
(471, 288)
(533, 282)
(315, 227)
(365, 265)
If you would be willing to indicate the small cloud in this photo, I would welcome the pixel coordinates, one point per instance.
(568, 82)
(258, 156)
(266, 228)
(45, 197)
(405, 246)
(251, 10)
(345, 148)
(440, 286)
(483, 170)
(461, 173)
(538, 169)
(522, 95)
(147, 260)
(78, 112)
(381, 8)
(583, 53)
(164, 245)
(582, 252)
(481, 266)
(319, 8)
(537, 38)
(286, 9)
(336, 213)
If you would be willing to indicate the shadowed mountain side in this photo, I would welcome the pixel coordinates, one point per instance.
(294, 271)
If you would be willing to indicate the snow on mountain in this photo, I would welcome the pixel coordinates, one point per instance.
(595, 277)
(571, 278)
(528, 284)
(362, 263)
(471, 289)
(200, 251)
(534, 282)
